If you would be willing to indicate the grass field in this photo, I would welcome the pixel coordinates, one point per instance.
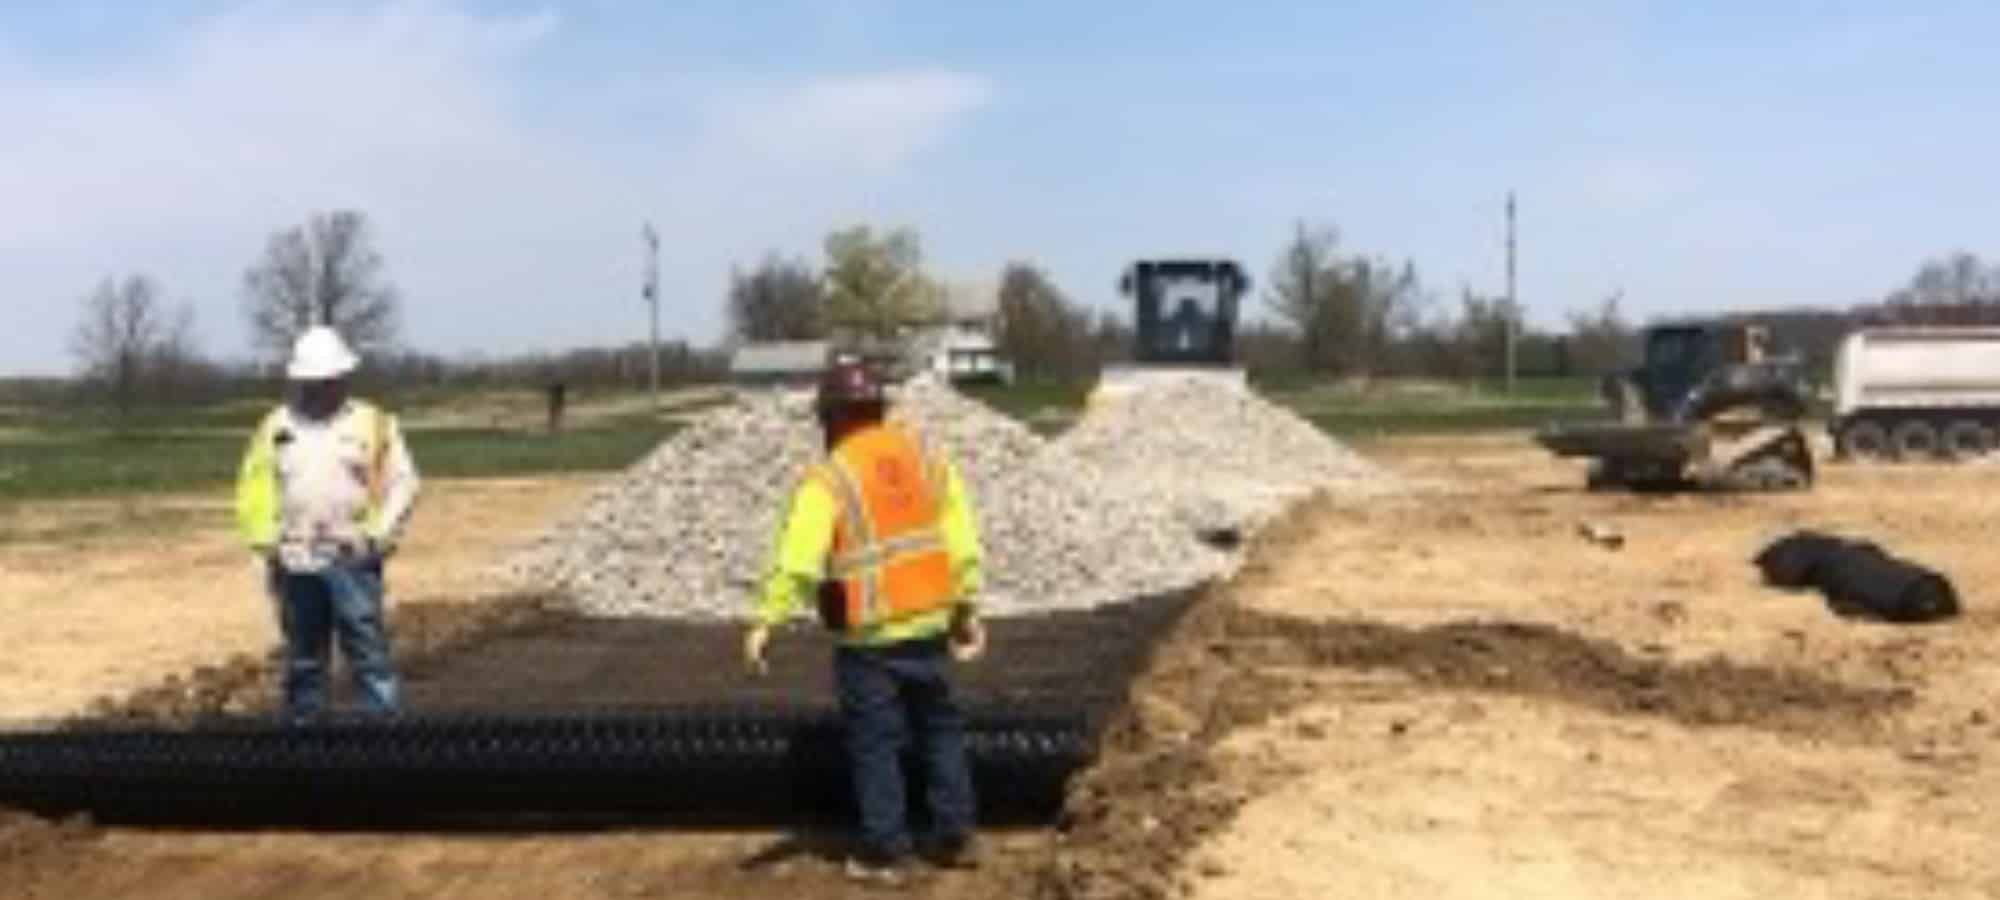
(71, 452)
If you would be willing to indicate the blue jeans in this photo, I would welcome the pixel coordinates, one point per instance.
(313, 607)
(888, 694)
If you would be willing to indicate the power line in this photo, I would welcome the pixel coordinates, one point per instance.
(1513, 311)
(650, 290)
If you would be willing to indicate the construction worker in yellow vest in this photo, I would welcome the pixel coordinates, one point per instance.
(322, 497)
(882, 533)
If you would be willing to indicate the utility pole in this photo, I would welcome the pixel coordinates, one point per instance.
(651, 291)
(1513, 311)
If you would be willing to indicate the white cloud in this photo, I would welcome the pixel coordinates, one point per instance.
(506, 230)
(872, 121)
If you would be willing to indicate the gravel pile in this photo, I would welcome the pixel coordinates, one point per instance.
(1219, 456)
(1131, 501)
(1060, 532)
(685, 532)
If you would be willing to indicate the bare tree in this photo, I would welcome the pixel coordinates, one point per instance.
(1600, 340)
(1041, 331)
(1301, 292)
(325, 272)
(127, 338)
(779, 300)
(1480, 345)
(1348, 312)
(1959, 279)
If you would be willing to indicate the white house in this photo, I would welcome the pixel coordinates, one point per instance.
(962, 342)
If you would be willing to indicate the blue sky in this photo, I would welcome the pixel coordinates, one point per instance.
(1695, 155)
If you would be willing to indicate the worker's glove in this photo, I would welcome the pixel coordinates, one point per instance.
(968, 635)
(753, 649)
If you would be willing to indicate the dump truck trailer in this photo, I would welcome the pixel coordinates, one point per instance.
(1912, 393)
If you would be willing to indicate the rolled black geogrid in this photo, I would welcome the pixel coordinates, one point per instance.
(715, 764)
(681, 765)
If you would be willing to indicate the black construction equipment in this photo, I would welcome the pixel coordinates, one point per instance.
(1184, 309)
(577, 719)
(1707, 408)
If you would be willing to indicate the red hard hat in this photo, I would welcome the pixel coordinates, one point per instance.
(848, 383)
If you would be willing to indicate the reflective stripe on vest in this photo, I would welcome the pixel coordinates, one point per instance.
(888, 549)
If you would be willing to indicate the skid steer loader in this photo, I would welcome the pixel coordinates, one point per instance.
(1708, 408)
(1184, 312)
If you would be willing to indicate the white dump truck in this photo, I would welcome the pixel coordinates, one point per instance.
(1910, 393)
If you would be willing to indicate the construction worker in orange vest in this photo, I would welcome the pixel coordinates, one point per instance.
(322, 495)
(883, 533)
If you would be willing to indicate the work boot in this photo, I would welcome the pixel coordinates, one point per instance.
(876, 869)
(956, 852)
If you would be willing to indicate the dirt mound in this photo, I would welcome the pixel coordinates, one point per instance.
(33, 850)
(1159, 790)
(1546, 662)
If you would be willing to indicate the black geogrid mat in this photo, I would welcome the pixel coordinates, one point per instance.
(576, 717)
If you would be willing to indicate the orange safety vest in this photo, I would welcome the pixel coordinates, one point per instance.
(888, 552)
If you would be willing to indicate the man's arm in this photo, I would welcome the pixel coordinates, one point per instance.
(961, 536)
(798, 553)
(400, 484)
(257, 491)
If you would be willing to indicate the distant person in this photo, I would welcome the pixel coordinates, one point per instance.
(883, 534)
(322, 497)
(557, 394)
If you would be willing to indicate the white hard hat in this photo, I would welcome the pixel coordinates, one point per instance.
(320, 354)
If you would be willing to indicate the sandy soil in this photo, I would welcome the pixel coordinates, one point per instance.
(1452, 695)
(102, 597)
(1405, 791)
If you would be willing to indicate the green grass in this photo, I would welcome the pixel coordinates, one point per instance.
(69, 453)
(77, 462)
(1444, 408)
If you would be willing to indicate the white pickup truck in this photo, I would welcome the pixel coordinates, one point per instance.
(1911, 393)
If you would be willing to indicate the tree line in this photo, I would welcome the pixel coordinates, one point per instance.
(1325, 311)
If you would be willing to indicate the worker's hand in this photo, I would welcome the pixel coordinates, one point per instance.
(753, 649)
(968, 636)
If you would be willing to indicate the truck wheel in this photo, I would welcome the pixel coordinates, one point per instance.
(1865, 441)
(1966, 439)
(1916, 441)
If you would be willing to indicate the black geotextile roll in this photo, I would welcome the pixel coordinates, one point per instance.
(1859, 579)
(701, 766)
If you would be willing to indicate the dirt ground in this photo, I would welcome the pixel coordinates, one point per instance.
(1454, 694)
(103, 597)
(1391, 788)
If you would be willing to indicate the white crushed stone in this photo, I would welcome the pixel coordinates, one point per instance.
(1114, 509)
(1220, 456)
